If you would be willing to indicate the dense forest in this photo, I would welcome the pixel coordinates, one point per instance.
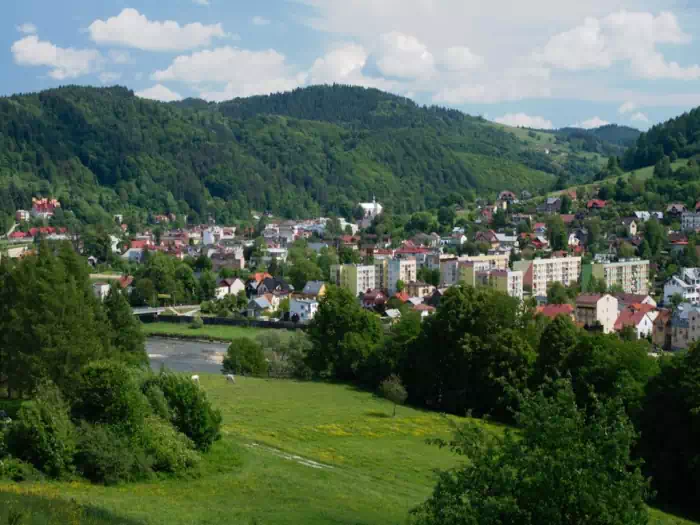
(676, 138)
(610, 140)
(103, 151)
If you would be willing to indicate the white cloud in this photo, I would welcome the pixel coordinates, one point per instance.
(344, 64)
(624, 37)
(132, 29)
(241, 72)
(403, 56)
(27, 28)
(512, 84)
(639, 117)
(119, 57)
(159, 92)
(627, 107)
(523, 120)
(592, 123)
(109, 77)
(260, 21)
(64, 63)
(460, 58)
(201, 2)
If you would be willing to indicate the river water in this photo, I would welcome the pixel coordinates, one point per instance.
(185, 356)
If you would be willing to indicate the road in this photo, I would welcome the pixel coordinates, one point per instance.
(12, 230)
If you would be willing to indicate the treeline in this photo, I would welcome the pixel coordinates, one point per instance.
(96, 410)
(481, 352)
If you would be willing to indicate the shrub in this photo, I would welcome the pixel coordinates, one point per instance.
(156, 398)
(105, 456)
(43, 433)
(109, 393)
(196, 323)
(191, 411)
(13, 469)
(245, 356)
(169, 450)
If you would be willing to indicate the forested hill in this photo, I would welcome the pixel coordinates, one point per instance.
(317, 150)
(610, 140)
(676, 138)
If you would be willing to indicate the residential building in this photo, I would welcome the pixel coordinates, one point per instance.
(101, 290)
(552, 311)
(479, 274)
(676, 210)
(233, 261)
(419, 289)
(539, 274)
(662, 334)
(229, 287)
(260, 306)
(400, 270)
(44, 208)
(685, 326)
(627, 300)
(690, 221)
(640, 320)
(450, 268)
(424, 310)
(302, 310)
(596, 204)
(594, 309)
(632, 275)
(686, 284)
(644, 216)
(314, 290)
(22, 215)
(354, 277)
(381, 274)
(551, 205)
(630, 224)
(373, 299)
(488, 237)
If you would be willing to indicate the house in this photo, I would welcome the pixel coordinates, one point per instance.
(676, 210)
(553, 311)
(596, 204)
(489, 237)
(625, 300)
(233, 261)
(133, 255)
(507, 242)
(101, 290)
(314, 290)
(663, 331)
(393, 315)
(254, 281)
(597, 309)
(125, 283)
(686, 284)
(551, 205)
(435, 298)
(486, 215)
(373, 299)
(568, 218)
(22, 215)
(229, 287)
(638, 319)
(302, 310)
(44, 208)
(424, 310)
(525, 195)
(644, 216)
(574, 240)
(259, 306)
(539, 228)
(507, 196)
(419, 289)
(272, 285)
(630, 225)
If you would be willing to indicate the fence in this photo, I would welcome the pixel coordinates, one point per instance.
(225, 321)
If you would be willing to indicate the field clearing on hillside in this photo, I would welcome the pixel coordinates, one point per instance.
(211, 332)
(505, 174)
(291, 453)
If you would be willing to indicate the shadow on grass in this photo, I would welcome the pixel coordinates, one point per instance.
(378, 414)
(31, 509)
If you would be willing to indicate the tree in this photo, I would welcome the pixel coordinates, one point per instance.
(626, 250)
(565, 204)
(675, 301)
(446, 216)
(126, 335)
(670, 426)
(557, 233)
(562, 467)
(558, 340)
(245, 356)
(392, 388)
(207, 286)
(400, 285)
(557, 293)
(303, 271)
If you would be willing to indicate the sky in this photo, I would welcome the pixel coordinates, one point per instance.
(535, 63)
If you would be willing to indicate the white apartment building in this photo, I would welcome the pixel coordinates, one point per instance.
(597, 308)
(401, 270)
(354, 277)
(686, 284)
(450, 269)
(632, 275)
(690, 221)
(540, 273)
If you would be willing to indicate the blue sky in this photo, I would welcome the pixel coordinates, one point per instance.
(540, 63)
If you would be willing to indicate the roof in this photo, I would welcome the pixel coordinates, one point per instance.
(629, 318)
(596, 203)
(262, 302)
(313, 287)
(402, 296)
(423, 308)
(589, 298)
(393, 313)
(631, 298)
(554, 310)
(126, 281)
(569, 218)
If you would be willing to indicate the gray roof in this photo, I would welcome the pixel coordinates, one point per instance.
(313, 287)
(262, 303)
(393, 313)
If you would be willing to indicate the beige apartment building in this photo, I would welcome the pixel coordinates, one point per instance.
(381, 274)
(597, 308)
(354, 277)
(480, 274)
(401, 270)
(632, 275)
(541, 273)
(450, 272)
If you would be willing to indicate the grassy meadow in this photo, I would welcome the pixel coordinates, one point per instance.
(211, 332)
(291, 453)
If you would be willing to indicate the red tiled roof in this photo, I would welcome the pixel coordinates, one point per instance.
(423, 308)
(553, 310)
(596, 203)
(568, 219)
(588, 298)
(402, 296)
(629, 318)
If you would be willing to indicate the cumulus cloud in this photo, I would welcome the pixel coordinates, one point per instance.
(27, 28)
(344, 64)
(132, 29)
(242, 72)
(460, 58)
(512, 84)
(159, 92)
(640, 117)
(626, 37)
(109, 77)
(260, 21)
(591, 123)
(523, 120)
(627, 107)
(64, 63)
(403, 56)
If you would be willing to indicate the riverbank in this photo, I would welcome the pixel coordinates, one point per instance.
(213, 333)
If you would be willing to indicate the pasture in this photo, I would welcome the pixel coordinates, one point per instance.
(209, 332)
(291, 453)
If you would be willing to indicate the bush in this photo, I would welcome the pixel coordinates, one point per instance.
(156, 398)
(43, 433)
(109, 393)
(169, 450)
(105, 456)
(12, 469)
(191, 411)
(245, 356)
(196, 323)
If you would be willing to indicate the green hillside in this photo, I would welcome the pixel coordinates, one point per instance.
(321, 149)
(292, 453)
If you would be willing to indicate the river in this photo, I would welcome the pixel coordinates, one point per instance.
(185, 356)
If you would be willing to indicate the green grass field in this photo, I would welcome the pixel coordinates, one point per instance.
(291, 453)
(222, 333)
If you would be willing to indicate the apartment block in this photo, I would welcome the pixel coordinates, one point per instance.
(354, 277)
(632, 275)
(381, 274)
(592, 309)
(450, 273)
(480, 274)
(685, 283)
(690, 221)
(401, 270)
(539, 274)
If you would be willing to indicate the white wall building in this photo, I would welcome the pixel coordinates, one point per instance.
(371, 211)
(305, 309)
(690, 221)
(401, 270)
(540, 273)
(686, 284)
